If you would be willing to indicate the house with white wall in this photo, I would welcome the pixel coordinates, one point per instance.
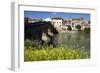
(57, 22)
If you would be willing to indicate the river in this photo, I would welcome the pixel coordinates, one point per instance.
(75, 40)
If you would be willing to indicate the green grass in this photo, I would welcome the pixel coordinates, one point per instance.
(58, 53)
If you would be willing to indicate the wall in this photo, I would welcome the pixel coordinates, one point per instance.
(5, 37)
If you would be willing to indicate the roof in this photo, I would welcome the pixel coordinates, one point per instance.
(57, 18)
(76, 19)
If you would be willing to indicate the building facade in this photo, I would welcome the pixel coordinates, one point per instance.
(57, 22)
(73, 22)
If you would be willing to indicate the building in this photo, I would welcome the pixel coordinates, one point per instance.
(67, 22)
(85, 24)
(62, 24)
(57, 22)
(73, 22)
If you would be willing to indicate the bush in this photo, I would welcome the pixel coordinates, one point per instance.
(28, 43)
(69, 28)
(57, 53)
(87, 30)
(78, 27)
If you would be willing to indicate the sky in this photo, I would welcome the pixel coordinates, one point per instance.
(44, 15)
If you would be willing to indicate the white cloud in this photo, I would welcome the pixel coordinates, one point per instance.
(47, 19)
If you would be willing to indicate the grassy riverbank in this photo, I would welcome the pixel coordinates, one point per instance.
(58, 53)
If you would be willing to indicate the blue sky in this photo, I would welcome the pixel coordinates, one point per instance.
(43, 15)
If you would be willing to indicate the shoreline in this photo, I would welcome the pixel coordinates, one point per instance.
(72, 31)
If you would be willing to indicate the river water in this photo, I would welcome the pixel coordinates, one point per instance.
(75, 40)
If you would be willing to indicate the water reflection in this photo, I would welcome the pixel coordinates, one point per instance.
(74, 40)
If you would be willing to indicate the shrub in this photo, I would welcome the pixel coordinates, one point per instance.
(69, 28)
(58, 53)
(87, 30)
(78, 27)
(28, 43)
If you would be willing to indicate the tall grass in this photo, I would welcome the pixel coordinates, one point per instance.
(69, 46)
(58, 53)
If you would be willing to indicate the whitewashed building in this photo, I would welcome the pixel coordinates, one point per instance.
(57, 22)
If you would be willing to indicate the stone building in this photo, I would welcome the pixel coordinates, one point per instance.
(73, 22)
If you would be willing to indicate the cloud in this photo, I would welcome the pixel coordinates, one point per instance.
(47, 19)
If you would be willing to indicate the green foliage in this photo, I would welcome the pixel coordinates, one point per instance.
(69, 28)
(78, 27)
(28, 43)
(32, 44)
(87, 30)
(58, 53)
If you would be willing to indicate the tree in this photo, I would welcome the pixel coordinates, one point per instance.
(26, 20)
(78, 27)
(87, 30)
(69, 28)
